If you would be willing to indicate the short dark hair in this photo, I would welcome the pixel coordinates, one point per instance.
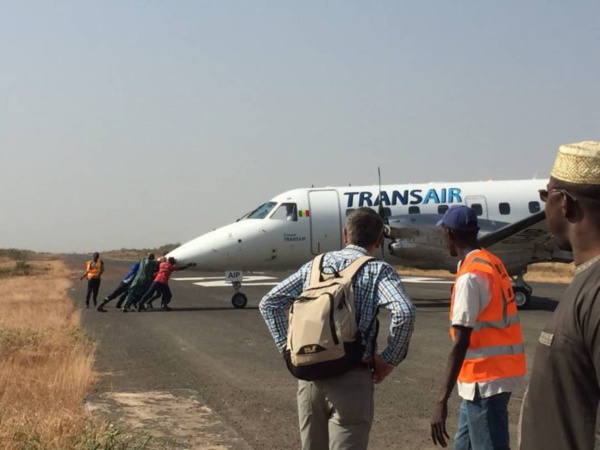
(172, 260)
(364, 227)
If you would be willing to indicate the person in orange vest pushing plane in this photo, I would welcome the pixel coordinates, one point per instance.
(487, 359)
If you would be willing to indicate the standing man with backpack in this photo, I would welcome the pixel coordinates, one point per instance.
(336, 410)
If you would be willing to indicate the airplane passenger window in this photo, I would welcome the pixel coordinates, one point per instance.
(477, 208)
(262, 211)
(414, 210)
(534, 207)
(442, 209)
(286, 211)
(504, 208)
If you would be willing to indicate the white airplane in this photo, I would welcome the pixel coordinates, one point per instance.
(293, 227)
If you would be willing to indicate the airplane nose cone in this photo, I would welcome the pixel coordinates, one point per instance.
(201, 251)
(242, 245)
(214, 251)
(183, 255)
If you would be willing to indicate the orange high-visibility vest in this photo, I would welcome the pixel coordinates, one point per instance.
(96, 270)
(496, 347)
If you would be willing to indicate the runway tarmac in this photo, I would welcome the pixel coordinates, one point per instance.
(211, 375)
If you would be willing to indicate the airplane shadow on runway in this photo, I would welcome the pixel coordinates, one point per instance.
(536, 304)
(200, 308)
(542, 304)
(431, 302)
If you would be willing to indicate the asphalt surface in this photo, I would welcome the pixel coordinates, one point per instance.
(226, 359)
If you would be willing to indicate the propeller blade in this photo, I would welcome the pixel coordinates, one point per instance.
(381, 213)
(380, 206)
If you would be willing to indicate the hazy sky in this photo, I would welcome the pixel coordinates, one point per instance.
(141, 123)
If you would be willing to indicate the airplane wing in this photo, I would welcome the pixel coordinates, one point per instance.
(525, 242)
(518, 244)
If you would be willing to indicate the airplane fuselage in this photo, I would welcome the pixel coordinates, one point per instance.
(296, 225)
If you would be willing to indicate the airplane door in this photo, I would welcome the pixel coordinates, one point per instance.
(325, 221)
(478, 204)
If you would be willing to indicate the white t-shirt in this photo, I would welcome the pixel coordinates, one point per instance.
(472, 294)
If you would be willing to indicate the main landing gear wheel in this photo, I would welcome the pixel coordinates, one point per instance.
(522, 297)
(522, 291)
(239, 300)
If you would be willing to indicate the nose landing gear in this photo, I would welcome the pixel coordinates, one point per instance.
(239, 299)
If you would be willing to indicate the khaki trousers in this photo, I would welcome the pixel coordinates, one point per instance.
(336, 413)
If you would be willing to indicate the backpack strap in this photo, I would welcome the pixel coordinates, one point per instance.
(317, 275)
(315, 272)
(355, 266)
(349, 273)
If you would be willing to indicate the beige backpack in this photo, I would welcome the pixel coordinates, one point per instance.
(323, 337)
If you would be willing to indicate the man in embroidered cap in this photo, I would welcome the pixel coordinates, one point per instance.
(487, 359)
(560, 410)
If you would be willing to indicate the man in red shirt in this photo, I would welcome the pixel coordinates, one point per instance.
(160, 285)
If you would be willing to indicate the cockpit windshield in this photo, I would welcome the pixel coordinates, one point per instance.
(261, 212)
(286, 211)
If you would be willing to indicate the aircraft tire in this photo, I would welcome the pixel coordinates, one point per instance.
(522, 297)
(239, 300)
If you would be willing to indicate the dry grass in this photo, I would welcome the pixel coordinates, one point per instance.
(551, 272)
(17, 267)
(542, 272)
(47, 365)
(47, 362)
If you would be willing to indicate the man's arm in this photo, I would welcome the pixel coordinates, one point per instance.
(589, 323)
(462, 337)
(188, 265)
(390, 293)
(471, 295)
(273, 305)
(86, 272)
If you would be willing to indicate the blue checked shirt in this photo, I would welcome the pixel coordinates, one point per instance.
(375, 285)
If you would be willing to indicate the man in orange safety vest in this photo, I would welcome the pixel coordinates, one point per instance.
(94, 269)
(487, 360)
